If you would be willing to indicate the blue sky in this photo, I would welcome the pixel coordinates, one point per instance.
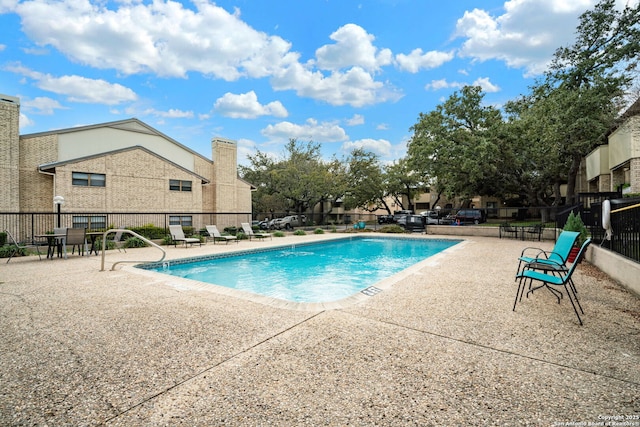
(341, 73)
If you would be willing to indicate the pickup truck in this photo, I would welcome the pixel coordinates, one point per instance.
(288, 222)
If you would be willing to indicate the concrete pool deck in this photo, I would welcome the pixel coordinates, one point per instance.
(441, 346)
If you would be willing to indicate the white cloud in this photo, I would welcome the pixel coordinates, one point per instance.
(356, 120)
(353, 47)
(78, 88)
(486, 85)
(442, 84)
(483, 82)
(382, 147)
(7, 6)
(417, 60)
(169, 114)
(43, 105)
(355, 87)
(525, 36)
(24, 121)
(382, 126)
(162, 37)
(311, 130)
(246, 106)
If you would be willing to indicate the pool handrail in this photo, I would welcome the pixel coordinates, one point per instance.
(124, 230)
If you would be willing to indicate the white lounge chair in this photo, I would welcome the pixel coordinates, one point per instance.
(249, 232)
(18, 247)
(177, 235)
(215, 234)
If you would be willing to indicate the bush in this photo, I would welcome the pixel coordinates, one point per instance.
(5, 251)
(150, 231)
(279, 234)
(299, 233)
(3, 239)
(391, 229)
(318, 231)
(134, 242)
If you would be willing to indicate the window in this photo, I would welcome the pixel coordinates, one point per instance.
(177, 185)
(88, 179)
(93, 222)
(185, 221)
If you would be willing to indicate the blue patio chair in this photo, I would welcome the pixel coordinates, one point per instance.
(556, 258)
(528, 275)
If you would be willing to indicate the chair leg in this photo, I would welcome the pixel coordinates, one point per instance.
(574, 306)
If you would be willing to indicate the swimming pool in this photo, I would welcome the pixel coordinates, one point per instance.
(313, 272)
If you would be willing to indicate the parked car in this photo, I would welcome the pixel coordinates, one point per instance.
(475, 216)
(290, 221)
(411, 222)
(385, 219)
(431, 217)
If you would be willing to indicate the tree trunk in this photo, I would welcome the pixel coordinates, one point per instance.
(571, 180)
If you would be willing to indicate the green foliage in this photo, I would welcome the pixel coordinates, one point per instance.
(151, 231)
(279, 234)
(3, 238)
(391, 229)
(167, 240)
(299, 233)
(6, 250)
(295, 183)
(318, 231)
(231, 230)
(574, 223)
(134, 242)
(458, 144)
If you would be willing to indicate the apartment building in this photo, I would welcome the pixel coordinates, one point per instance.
(120, 166)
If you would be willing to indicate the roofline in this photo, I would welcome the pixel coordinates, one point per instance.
(114, 124)
(48, 166)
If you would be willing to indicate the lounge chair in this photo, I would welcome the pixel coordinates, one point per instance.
(556, 258)
(18, 247)
(177, 235)
(76, 237)
(215, 234)
(249, 232)
(553, 279)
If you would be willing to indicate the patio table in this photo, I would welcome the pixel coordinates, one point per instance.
(52, 243)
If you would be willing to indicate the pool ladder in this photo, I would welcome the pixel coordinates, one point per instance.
(133, 233)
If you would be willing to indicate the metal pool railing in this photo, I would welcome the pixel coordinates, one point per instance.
(123, 230)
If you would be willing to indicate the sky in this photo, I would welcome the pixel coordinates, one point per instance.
(340, 73)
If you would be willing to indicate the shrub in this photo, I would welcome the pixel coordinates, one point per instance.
(231, 230)
(134, 242)
(3, 238)
(279, 234)
(299, 233)
(318, 231)
(391, 229)
(150, 231)
(5, 251)
(574, 223)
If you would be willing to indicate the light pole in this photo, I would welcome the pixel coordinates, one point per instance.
(58, 201)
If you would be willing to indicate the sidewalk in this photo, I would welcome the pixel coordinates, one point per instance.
(440, 347)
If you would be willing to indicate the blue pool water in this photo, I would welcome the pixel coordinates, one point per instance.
(319, 272)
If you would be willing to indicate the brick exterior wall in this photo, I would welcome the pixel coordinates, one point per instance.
(9, 155)
(136, 181)
(37, 189)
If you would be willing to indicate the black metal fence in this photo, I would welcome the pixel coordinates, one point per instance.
(23, 226)
(625, 222)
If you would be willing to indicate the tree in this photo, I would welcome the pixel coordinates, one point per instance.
(365, 182)
(297, 182)
(585, 85)
(402, 181)
(457, 145)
